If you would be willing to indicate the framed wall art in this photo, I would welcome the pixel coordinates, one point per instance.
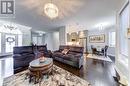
(97, 38)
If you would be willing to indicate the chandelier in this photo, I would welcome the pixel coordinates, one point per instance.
(51, 10)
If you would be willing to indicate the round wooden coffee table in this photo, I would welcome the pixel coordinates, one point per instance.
(39, 69)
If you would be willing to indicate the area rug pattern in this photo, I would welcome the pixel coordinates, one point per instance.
(60, 77)
(99, 57)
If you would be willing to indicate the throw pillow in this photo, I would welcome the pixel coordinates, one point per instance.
(65, 51)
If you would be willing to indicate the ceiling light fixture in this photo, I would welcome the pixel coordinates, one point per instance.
(51, 10)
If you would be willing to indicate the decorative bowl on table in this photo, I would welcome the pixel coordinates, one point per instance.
(42, 59)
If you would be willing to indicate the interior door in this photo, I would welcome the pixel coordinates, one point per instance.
(10, 42)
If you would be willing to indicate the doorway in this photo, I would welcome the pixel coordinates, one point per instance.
(10, 42)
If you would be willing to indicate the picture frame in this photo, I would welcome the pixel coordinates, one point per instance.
(97, 38)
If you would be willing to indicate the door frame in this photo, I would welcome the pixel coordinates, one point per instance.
(3, 43)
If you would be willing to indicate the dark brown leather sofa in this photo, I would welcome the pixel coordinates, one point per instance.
(74, 57)
(23, 55)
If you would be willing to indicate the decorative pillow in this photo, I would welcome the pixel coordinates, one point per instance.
(65, 51)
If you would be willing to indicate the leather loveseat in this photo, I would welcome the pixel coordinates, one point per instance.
(23, 55)
(74, 57)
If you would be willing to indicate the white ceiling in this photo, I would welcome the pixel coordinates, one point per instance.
(87, 13)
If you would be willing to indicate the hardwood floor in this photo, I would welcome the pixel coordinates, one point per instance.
(98, 73)
(6, 68)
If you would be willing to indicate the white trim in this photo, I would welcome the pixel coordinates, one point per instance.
(8, 54)
(122, 77)
(123, 7)
(110, 55)
(124, 61)
(27, 27)
(129, 48)
(121, 65)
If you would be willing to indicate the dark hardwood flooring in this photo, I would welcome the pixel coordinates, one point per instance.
(98, 73)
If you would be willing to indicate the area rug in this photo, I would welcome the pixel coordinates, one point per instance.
(99, 57)
(60, 77)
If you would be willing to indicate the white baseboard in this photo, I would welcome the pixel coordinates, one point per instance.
(123, 78)
(3, 55)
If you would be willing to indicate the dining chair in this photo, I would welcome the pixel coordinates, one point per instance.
(93, 50)
(103, 51)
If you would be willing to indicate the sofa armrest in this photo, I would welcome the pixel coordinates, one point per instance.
(17, 55)
(78, 55)
(50, 53)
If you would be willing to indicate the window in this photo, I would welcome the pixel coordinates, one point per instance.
(37, 40)
(112, 39)
(124, 24)
(34, 38)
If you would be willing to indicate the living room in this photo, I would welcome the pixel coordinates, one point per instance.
(47, 43)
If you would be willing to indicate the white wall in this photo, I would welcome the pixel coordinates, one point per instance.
(52, 40)
(97, 32)
(121, 64)
(129, 61)
(62, 35)
(43, 38)
(129, 49)
(26, 35)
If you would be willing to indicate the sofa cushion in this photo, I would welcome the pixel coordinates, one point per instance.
(58, 54)
(72, 57)
(73, 53)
